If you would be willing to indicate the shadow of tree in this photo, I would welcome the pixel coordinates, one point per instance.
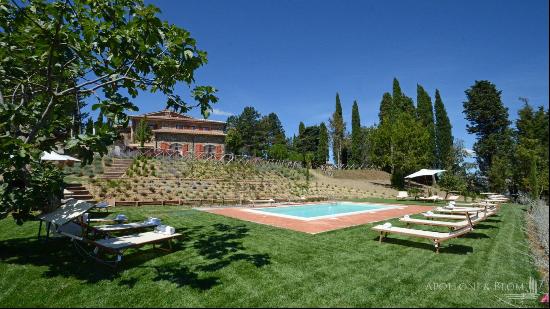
(223, 246)
(220, 244)
(183, 276)
(57, 254)
(484, 226)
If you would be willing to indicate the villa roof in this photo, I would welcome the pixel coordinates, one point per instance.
(187, 131)
(171, 115)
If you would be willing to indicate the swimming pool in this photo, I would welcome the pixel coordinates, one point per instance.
(321, 210)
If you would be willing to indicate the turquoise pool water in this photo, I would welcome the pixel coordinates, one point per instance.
(321, 210)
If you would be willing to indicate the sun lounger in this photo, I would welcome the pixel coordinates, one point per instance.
(466, 210)
(266, 201)
(123, 227)
(450, 224)
(402, 195)
(433, 198)
(117, 245)
(435, 237)
(453, 197)
(432, 215)
(66, 213)
(103, 205)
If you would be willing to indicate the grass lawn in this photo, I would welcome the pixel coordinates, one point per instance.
(226, 262)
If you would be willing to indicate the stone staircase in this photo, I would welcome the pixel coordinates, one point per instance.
(79, 192)
(117, 169)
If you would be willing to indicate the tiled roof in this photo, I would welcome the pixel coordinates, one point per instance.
(186, 131)
(170, 115)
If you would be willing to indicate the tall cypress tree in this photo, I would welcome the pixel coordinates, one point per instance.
(443, 133)
(99, 122)
(356, 135)
(322, 148)
(397, 95)
(401, 102)
(386, 106)
(301, 128)
(488, 120)
(338, 127)
(89, 127)
(425, 115)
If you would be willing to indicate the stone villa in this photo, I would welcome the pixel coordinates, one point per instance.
(181, 133)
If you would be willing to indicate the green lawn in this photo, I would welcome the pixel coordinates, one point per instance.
(226, 262)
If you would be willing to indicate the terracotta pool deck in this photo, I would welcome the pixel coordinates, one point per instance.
(320, 225)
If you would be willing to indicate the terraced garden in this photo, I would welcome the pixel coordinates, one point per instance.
(210, 182)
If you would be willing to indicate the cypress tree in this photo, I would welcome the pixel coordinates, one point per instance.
(356, 140)
(301, 128)
(397, 95)
(385, 107)
(443, 133)
(322, 148)
(338, 127)
(425, 115)
(400, 101)
(99, 122)
(89, 127)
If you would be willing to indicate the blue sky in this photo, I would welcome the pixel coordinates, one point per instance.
(291, 57)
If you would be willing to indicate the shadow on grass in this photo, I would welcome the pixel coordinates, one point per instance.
(219, 245)
(445, 247)
(482, 226)
(58, 254)
(222, 247)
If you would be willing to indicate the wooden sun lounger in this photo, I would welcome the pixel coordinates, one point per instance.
(117, 245)
(435, 237)
(458, 210)
(433, 198)
(450, 224)
(266, 201)
(443, 216)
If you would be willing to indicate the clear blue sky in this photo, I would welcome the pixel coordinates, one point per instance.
(291, 57)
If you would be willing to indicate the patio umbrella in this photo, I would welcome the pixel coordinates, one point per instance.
(59, 158)
(425, 172)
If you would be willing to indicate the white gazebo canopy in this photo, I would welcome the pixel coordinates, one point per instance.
(424, 172)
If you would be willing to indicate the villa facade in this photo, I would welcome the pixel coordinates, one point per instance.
(181, 133)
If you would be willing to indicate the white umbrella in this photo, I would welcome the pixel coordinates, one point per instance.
(52, 156)
(60, 159)
(424, 172)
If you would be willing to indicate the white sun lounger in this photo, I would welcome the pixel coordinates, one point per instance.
(432, 215)
(458, 210)
(435, 237)
(117, 245)
(402, 195)
(433, 198)
(450, 224)
(267, 201)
